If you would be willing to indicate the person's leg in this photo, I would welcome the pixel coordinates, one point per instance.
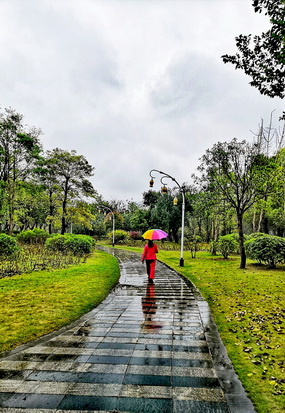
(152, 270)
(148, 262)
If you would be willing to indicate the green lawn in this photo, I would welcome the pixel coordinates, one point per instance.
(38, 303)
(248, 307)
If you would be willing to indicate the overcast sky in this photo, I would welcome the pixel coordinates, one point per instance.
(132, 85)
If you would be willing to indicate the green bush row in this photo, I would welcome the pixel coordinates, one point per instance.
(263, 248)
(78, 245)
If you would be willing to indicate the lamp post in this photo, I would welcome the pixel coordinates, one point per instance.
(175, 201)
(113, 216)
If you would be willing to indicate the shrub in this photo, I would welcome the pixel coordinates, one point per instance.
(76, 244)
(135, 235)
(267, 249)
(8, 245)
(56, 243)
(34, 236)
(193, 243)
(79, 244)
(255, 235)
(120, 236)
(227, 245)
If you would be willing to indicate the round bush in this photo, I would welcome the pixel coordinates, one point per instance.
(267, 249)
(8, 245)
(76, 244)
(79, 244)
(120, 236)
(34, 236)
(56, 243)
(227, 245)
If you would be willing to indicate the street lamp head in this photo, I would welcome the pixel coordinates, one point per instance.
(151, 182)
(164, 189)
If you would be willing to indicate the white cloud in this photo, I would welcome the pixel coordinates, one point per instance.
(132, 85)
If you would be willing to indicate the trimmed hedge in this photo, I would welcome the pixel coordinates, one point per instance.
(78, 245)
(33, 236)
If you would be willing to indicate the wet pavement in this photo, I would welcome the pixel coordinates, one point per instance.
(147, 348)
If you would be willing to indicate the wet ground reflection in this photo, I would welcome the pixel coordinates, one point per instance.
(149, 308)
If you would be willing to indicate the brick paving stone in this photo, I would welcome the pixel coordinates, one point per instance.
(146, 348)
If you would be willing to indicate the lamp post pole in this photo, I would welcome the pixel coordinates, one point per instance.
(113, 217)
(164, 190)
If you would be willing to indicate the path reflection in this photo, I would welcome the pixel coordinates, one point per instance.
(149, 308)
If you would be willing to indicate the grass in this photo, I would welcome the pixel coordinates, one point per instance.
(248, 307)
(41, 302)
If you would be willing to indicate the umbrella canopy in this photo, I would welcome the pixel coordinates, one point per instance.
(154, 234)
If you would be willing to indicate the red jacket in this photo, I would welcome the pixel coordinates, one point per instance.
(149, 253)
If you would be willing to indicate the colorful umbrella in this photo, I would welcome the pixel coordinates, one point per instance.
(154, 234)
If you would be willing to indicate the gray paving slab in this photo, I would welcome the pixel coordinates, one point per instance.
(146, 348)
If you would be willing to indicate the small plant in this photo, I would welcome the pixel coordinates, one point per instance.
(227, 245)
(120, 236)
(193, 244)
(135, 235)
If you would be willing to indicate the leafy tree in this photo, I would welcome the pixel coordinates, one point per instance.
(166, 216)
(19, 149)
(265, 61)
(275, 205)
(31, 206)
(139, 220)
(240, 175)
(69, 172)
(80, 217)
(46, 172)
(150, 198)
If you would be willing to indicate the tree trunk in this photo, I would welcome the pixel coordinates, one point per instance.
(260, 220)
(63, 224)
(241, 239)
(64, 204)
(253, 220)
(280, 232)
(215, 236)
(11, 207)
(51, 208)
(265, 225)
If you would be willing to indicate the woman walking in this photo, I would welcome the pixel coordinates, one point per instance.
(149, 256)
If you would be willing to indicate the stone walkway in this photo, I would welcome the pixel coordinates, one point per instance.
(145, 349)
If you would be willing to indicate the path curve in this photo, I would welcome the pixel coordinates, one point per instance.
(144, 349)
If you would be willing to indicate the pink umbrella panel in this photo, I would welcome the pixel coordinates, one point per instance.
(154, 234)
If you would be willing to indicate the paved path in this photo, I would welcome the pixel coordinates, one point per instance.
(145, 349)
